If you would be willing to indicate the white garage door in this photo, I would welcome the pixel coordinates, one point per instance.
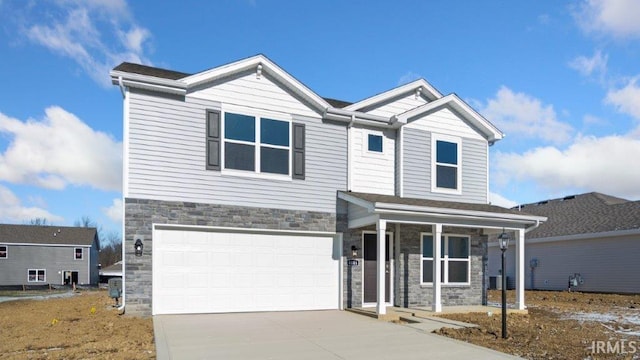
(209, 272)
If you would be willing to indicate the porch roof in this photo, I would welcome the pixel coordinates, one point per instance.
(377, 204)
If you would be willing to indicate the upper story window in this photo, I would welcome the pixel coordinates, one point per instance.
(446, 168)
(256, 144)
(4, 251)
(374, 143)
(77, 253)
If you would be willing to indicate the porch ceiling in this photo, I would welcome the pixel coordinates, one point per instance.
(411, 210)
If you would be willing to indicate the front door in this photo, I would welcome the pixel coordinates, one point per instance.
(370, 254)
(69, 277)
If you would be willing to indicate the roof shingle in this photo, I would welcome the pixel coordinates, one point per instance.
(583, 214)
(54, 235)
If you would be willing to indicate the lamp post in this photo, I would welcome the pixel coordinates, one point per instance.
(503, 239)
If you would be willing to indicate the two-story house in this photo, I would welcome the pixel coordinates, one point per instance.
(244, 190)
(33, 255)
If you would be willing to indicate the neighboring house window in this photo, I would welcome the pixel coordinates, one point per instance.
(37, 275)
(77, 253)
(455, 259)
(4, 251)
(446, 166)
(374, 143)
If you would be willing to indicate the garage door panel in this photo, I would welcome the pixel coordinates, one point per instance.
(234, 272)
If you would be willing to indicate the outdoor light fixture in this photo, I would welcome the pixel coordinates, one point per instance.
(354, 251)
(138, 247)
(503, 239)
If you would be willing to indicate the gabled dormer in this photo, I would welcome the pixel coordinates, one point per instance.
(431, 147)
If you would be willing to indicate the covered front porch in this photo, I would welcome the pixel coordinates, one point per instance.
(417, 271)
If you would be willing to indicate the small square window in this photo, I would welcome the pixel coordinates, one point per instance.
(4, 251)
(77, 253)
(375, 143)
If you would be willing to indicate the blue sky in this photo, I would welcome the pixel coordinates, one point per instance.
(560, 78)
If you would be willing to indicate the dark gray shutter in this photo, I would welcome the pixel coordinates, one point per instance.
(213, 140)
(298, 151)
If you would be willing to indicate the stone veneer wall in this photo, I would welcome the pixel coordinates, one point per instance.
(408, 292)
(140, 215)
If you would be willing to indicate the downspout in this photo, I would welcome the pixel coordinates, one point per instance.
(350, 153)
(121, 308)
(532, 227)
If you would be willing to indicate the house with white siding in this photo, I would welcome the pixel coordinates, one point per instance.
(244, 190)
(34, 255)
(593, 238)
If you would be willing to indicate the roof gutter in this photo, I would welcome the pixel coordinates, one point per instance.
(356, 117)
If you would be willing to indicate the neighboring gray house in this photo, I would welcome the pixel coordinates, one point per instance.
(247, 191)
(594, 235)
(43, 255)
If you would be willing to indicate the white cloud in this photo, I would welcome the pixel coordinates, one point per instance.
(115, 211)
(408, 77)
(499, 200)
(618, 18)
(604, 164)
(59, 150)
(626, 99)
(522, 115)
(597, 64)
(96, 34)
(12, 210)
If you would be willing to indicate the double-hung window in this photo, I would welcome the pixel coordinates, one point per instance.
(4, 251)
(455, 259)
(36, 275)
(446, 167)
(77, 253)
(257, 144)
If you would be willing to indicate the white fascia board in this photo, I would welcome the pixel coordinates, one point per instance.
(356, 201)
(384, 207)
(430, 92)
(587, 236)
(490, 130)
(267, 67)
(360, 118)
(149, 82)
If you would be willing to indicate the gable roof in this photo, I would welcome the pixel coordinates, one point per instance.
(179, 83)
(452, 101)
(418, 85)
(50, 235)
(584, 214)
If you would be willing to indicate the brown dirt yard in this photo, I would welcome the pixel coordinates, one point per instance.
(83, 325)
(560, 325)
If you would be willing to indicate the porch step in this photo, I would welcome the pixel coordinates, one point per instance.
(386, 317)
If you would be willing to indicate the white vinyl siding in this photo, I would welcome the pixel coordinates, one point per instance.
(445, 122)
(398, 106)
(167, 159)
(373, 172)
(417, 168)
(250, 92)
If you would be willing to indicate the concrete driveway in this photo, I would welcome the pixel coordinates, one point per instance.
(304, 335)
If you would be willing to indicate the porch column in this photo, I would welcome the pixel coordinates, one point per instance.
(437, 271)
(519, 257)
(381, 306)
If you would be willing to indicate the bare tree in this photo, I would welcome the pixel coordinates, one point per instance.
(111, 252)
(39, 221)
